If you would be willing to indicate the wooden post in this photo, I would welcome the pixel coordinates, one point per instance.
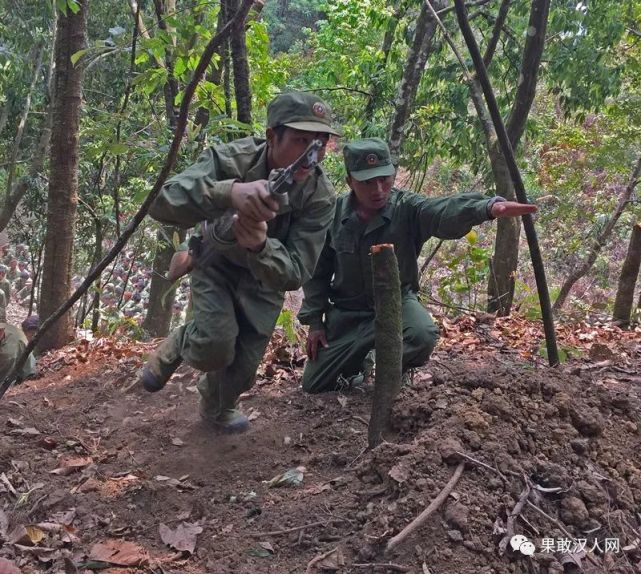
(388, 339)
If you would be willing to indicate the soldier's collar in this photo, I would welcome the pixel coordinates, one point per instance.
(259, 169)
(386, 213)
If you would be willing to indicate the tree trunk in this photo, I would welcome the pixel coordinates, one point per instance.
(161, 294)
(4, 116)
(417, 56)
(63, 176)
(600, 241)
(506, 248)
(18, 190)
(23, 120)
(158, 316)
(376, 86)
(628, 279)
(215, 76)
(240, 66)
(388, 339)
(97, 256)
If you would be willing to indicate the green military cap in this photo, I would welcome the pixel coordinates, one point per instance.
(368, 158)
(302, 111)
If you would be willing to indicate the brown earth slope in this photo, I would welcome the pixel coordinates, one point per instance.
(97, 476)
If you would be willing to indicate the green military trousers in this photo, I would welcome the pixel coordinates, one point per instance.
(350, 336)
(232, 322)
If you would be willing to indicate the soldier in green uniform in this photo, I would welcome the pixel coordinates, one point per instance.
(3, 307)
(237, 297)
(12, 343)
(13, 272)
(5, 285)
(339, 304)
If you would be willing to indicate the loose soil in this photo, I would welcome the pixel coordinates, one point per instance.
(129, 465)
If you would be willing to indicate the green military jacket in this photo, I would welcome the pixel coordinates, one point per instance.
(295, 235)
(343, 276)
(11, 347)
(5, 285)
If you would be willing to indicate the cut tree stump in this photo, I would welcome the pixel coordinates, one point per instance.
(388, 339)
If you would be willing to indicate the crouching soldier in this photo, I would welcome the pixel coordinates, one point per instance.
(339, 302)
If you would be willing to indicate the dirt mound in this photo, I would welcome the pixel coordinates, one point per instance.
(572, 444)
(98, 476)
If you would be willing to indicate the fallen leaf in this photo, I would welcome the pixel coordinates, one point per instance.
(318, 488)
(72, 464)
(65, 518)
(291, 477)
(70, 567)
(176, 441)
(253, 415)
(334, 561)
(182, 538)
(14, 423)
(120, 553)
(8, 567)
(399, 472)
(35, 534)
(260, 552)
(267, 546)
(42, 553)
(19, 535)
(342, 401)
(48, 442)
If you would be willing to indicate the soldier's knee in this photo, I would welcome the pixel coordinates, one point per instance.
(423, 338)
(313, 384)
(212, 354)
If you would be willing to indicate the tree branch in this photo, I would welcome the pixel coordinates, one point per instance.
(515, 175)
(496, 32)
(530, 64)
(23, 119)
(600, 240)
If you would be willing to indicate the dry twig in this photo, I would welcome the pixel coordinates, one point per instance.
(296, 528)
(318, 559)
(423, 516)
(511, 519)
(388, 565)
(562, 529)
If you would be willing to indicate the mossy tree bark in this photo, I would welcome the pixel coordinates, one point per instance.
(628, 279)
(388, 339)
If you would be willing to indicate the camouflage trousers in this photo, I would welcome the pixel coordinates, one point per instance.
(232, 322)
(350, 336)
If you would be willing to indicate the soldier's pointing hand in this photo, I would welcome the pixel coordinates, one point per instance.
(252, 199)
(512, 209)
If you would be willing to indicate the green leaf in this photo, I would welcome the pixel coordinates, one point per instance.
(74, 6)
(259, 552)
(118, 148)
(471, 237)
(77, 55)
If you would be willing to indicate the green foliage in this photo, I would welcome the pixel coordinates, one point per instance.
(289, 21)
(287, 321)
(468, 268)
(584, 41)
(68, 5)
